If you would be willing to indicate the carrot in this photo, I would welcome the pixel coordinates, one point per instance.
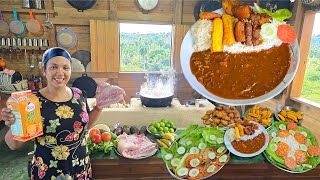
(301, 157)
(290, 162)
(292, 126)
(191, 157)
(283, 149)
(286, 33)
(313, 150)
(300, 138)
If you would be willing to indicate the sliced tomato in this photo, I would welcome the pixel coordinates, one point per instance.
(200, 175)
(283, 133)
(292, 126)
(313, 150)
(290, 162)
(283, 149)
(286, 33)
(207, 165)
(190, 157)
(301, 157)
(205, 153)
(300, 138)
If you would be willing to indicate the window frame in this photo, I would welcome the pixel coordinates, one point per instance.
(304, 43)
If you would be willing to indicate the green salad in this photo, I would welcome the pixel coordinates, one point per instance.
(292, 147)
(199, 152)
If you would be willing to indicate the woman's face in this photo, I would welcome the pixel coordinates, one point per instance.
(57, 71)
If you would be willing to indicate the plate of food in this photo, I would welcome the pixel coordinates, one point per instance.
(263, 116)
(247, 139)
(292, 148)
(135, 146)
(240, 55)
(198, 153)
(289, 114)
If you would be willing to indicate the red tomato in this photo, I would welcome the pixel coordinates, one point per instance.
(93, 132)
(286, 33)
(106, 136)
(96, 138)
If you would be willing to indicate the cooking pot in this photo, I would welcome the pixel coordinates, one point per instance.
(82, 5)
(87, 84)
(155, 101)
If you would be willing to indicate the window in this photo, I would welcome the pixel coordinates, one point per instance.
(311, 82)
(145, 47)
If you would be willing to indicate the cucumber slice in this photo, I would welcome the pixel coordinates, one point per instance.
(268, 31)
(304, 133)
(303, 147)
(182, 172)
(221, 149)
(273, 134)
(202, 146)
(223, 158)
(168, 157)
(194, 172)
(194, 150)
(194, 162)
(188, 143)
(282, 127)
(211, 155)
(212, 137)
(220, 140)
(292, 132)
(181, 150)
(211, 168)
(175, 162)
(277, 139)
(308, 142)
(307, 166)
(273, 147)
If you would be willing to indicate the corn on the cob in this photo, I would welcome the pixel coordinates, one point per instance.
(217, 34)
(228, 30)
(237, 132)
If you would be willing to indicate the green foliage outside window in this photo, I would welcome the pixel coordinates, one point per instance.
(145, 52)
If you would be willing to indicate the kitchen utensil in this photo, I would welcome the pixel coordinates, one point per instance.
(30, 42)
(3, 41)
(18, 51)
(88, 68)
(45, 43)
(8, 42)
(24, 42)
(19, 42)
(4, 27)
(77, 66)
(155, 101)
(83, 55)
(16, 77)
(40, 42)
(47, 22)
(66, 38)
(16, 26)
(14, 42)
(33, 58)
(26, 4)
(33, 25)
(39, 4)
(82, 5)
(87, 84)
(35, 42)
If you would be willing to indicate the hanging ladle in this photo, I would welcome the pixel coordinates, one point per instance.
(47, 22)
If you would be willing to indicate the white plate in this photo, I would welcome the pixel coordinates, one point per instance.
(185, 55)
(237, 153)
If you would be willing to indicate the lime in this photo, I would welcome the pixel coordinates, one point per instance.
(157, 125)
(171, 130)
(162, 124)
(165, 129)
(160, 132)
(152, 129)
(164, 120)
(153, 123)
(168, 125)
(160, 129)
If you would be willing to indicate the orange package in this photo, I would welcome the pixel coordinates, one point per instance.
(26, 108)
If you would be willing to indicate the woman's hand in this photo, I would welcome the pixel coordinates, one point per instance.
(7, 116)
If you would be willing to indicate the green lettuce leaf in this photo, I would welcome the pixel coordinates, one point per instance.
(279, 15)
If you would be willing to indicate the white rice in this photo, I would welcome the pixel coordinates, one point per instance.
(293, 144)
(201, 33)
(232, 135)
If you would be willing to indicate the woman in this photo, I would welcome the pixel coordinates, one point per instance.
(61, 152)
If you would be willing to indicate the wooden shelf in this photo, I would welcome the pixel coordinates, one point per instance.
(9, 8)
(36, 48)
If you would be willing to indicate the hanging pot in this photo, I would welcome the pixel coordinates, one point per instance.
(4, 27)
(66, 38)
(82, 5)
(83, 56)
(87, 84)
(16, 26)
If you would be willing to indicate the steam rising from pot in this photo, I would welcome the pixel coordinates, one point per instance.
(158, 86)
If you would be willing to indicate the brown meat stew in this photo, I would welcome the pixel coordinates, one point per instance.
(251, 145)
(242, 75)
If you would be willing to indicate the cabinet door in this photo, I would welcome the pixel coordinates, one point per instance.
(104, 39)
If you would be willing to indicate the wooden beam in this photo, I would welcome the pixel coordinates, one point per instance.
(306, 34)
(178, 12)
(113, 10)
